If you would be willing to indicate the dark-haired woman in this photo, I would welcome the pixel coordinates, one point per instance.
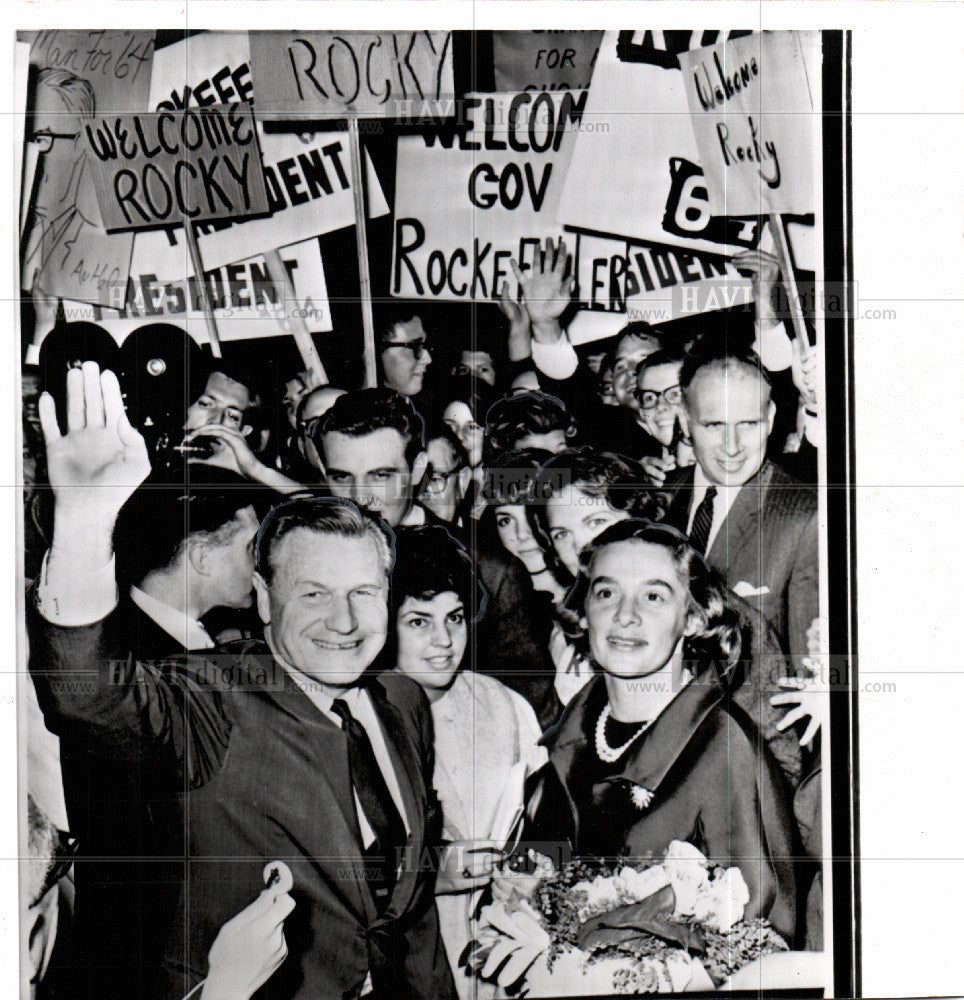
(486, 735)
(652, 749)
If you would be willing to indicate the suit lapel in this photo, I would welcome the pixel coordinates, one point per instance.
(325, 744)
(740, 522)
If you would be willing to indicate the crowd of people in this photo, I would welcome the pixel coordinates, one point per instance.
(344, 633)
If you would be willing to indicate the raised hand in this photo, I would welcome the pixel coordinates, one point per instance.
(514, 310)
(249, 948)
(101, 459)
(548, 285)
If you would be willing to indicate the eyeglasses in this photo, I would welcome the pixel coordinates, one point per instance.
(418, 346)
(648, 399)
(437, 481)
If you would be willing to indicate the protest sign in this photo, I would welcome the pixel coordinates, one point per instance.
(308, 178)
(471, 197)
(359, 74)
(754, 121)
(652, 187)
(247, 303)
(79, 74)
(654, 283)
(173, 167)
(544, 60)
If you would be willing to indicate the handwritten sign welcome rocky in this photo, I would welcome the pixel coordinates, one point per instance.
(160, 169)
(752, 102)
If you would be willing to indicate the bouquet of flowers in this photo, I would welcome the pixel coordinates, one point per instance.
(595, 929)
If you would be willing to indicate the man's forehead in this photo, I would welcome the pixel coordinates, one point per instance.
(227, 389)
(309, 554)
(728, 382)
(383, 443)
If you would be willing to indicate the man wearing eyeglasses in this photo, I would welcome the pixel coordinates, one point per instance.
(404, 355)
(660, 401)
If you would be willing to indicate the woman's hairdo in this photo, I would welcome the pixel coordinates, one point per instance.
(429, 561)
(718, 641)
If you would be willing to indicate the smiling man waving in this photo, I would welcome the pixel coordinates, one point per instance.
(282, 751)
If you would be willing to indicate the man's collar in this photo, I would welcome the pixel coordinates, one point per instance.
(188, 632)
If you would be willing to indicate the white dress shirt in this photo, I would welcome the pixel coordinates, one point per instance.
(191, 634)
(722, 502)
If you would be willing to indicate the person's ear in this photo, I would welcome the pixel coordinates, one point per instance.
(264, 601)
(771, 413)
(695, 623)
(419, 467)
(198, 554)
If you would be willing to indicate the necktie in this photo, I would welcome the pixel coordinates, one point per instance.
(376, 802)
(702, 521)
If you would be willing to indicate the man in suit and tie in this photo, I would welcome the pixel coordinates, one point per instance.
(286, 752)
(756, 524)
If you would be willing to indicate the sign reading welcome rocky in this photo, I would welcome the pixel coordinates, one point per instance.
(165, 168)
(753, 117)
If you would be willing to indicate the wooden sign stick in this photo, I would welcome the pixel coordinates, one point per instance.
(213, 339)
(782, 246)
(361, 236)
(296, 324)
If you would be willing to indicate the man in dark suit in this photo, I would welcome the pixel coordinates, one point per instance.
(755, 524)
(187, 553)
(286, 753)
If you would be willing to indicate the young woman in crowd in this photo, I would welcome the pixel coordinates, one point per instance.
(582, 492)
(464, 401)
(652, 749)
(484, 732)
(528, 420)
(509, 493)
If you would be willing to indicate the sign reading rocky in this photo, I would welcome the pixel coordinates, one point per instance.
(164, 168)
(342, 74)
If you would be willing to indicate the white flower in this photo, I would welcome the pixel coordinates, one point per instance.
(641, 796)
(635, 886)
(721, 902)
(686, 869)
(601, 894)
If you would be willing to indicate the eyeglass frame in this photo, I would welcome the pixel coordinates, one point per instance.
(417, 345)
(657, 396)
(446, 477)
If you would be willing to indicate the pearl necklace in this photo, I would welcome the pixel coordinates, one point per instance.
(606, 753)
